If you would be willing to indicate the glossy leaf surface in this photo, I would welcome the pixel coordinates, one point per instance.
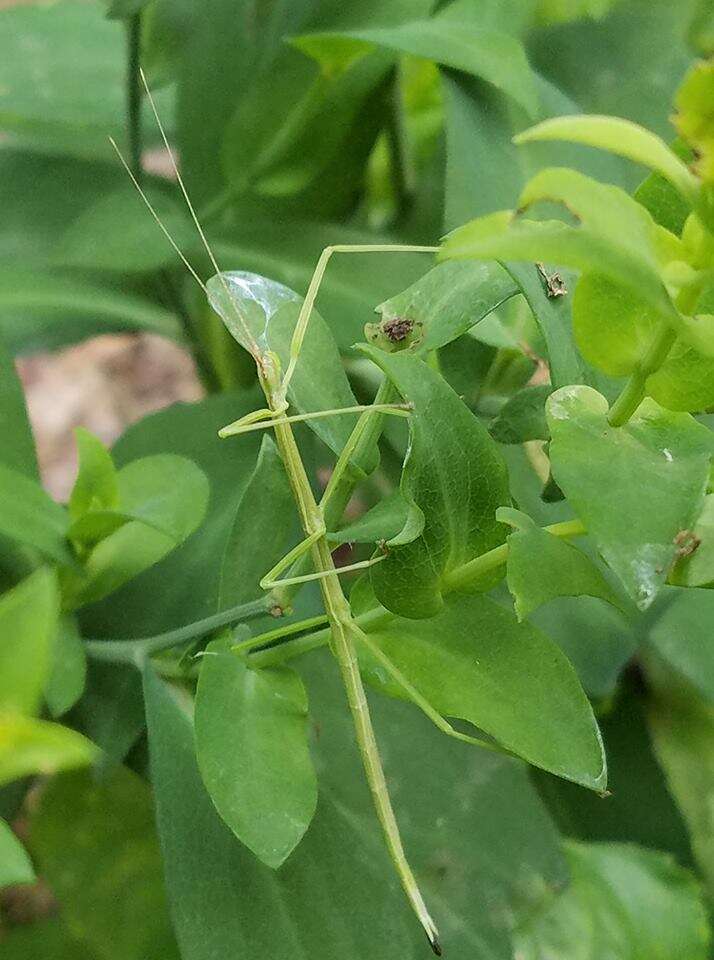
(158, 598)
(262, 526)
(96, 484)
(494, 56)
(522, 417)
(261, 314)
(634, 487)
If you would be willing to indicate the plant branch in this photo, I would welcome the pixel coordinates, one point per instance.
(136, 651)
(133, 94)
(634, 391)
(401, 168)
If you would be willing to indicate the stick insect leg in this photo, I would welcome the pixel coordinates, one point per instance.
(411, 691)
(313, 288)
(269, 581)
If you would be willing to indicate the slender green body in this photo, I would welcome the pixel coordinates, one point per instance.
(343, 633)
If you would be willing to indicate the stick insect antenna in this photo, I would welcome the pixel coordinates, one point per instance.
(254, 349)
(156, 217)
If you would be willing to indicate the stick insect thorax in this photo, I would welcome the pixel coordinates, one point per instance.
(344, 631)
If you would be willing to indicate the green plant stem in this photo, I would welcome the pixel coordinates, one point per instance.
(136, 651)
(461, 578)
(634, 391)
(133, 95)
(401, 168)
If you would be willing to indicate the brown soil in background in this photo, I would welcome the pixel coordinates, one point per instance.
(104, 385)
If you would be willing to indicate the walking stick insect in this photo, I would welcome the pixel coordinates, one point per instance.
(345, 633)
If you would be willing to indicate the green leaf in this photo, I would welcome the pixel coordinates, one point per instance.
(595, 638)
(30, 516)
(262, 314)
(695, 564)
(216, 916)
(120, 9)
(261, 527)
(553, 316)
(69, 669)
(158, 599)
(353, 283)
(117, 234)
(223, 47)
(621, 137)
(640, 808)
(96, 485)
(449, 299)
(682, 728)
(665, 204)
(614, 235)
(474, 661)
(252, 749)
(64, 85)
(453, 481)
(119, 557)
(95, 843)
(522, 417)
(18, 450)
(542, 567)
(166, 492)
(647, 45)
(680, 633)
(29, 746)
(15, 864)
(45, 939)
(491, 829)
(623, 902)
(693, 117)
(293, 131)
(603, 472)
(494, 56)
(383, 522)
(162, 500)
(111, 710)
(28, 623)
(614, 329)
(41, 310)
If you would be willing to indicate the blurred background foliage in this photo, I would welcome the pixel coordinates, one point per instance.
(297, 124)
